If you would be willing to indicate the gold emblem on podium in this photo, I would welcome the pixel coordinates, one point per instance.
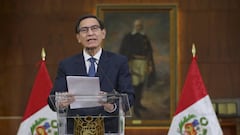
(89, 126)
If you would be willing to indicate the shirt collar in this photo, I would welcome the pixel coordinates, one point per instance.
(135, 32)
(96, 56)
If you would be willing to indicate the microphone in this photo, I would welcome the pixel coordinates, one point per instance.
(114, 91)
(103, 74)
(114, 94)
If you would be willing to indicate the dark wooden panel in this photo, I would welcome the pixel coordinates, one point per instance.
(212, 25)
(9, 126)
(146, 131)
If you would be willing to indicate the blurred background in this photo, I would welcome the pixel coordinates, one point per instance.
(27, 26)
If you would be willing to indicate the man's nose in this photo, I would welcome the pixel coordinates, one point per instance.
(89, 32)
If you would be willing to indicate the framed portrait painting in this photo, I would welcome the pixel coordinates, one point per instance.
(147, 35)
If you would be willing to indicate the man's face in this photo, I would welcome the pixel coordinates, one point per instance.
(138, 26)
(90, 35)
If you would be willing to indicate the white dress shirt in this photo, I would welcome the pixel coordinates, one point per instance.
(87, 56)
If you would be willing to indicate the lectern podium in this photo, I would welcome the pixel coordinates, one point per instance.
(86, 115)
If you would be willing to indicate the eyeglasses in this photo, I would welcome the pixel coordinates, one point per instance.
(94, 28)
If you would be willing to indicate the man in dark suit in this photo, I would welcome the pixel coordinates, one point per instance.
(137, 47)
(112, 70)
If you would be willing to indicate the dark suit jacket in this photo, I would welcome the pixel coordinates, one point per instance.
(113, 73)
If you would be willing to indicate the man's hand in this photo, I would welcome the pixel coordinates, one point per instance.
(109, 107)
(65, 99)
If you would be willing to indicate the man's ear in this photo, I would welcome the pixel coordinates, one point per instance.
(78, 38)
(104, 32)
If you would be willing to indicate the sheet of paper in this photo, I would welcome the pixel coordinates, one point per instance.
(87, 88)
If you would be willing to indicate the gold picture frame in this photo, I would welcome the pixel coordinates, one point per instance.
(160, 25)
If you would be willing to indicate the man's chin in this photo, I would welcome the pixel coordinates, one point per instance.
(91, 48)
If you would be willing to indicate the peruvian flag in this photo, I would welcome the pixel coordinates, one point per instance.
(38, 118)
(194, 114)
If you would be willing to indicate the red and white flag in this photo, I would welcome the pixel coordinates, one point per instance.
(38, 118)
(194, 114)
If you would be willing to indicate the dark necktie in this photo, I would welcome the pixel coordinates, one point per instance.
(91, 72)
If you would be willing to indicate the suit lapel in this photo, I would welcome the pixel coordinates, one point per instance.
(79, 65)
(103, 66)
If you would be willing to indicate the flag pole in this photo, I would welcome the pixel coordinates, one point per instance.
(43, 54)
(38, 116)
(193, 50)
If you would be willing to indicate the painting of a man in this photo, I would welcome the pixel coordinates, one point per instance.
(144, 37)
(137, 47)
